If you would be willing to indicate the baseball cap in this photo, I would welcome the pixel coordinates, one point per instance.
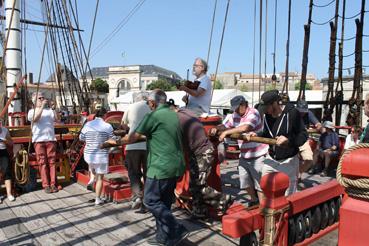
(302, 106)
(268, 98)
(237, 101)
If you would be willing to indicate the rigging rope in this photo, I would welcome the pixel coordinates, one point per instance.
(221, 45)
(91, 37)
(260, 42)
(285, 84)
(265, 44)
(274, 78)
(354, 187)
(211, 31)
(254, 55)
(322, 23)
(325, 5)
(124, 21)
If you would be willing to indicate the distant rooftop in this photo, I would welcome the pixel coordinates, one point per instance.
(146, 71)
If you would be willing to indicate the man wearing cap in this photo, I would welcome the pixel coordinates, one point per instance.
(246, 119)
(201, 154)
(364, 138)
(136, 154)
(42, 119)
(199, 100)
(283, 123)
(328, 147)
(165, 164)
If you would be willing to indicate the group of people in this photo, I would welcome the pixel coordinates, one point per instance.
(159, 135)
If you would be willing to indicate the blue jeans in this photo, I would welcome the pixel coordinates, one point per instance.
(158, 198)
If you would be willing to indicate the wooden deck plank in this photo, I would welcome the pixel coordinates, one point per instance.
(89, 219)
(53, 217)
(81, 228)
(34, 221)
(12, 226)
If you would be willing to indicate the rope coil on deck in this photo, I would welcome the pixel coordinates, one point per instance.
(21, 167)
(354, 187)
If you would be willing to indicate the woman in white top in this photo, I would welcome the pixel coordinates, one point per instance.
(354, 137)
(5, 168)
(95, 133)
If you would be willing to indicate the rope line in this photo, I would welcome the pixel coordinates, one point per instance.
(322, 23)
(211, 31)
(354, 187)
(325, 5)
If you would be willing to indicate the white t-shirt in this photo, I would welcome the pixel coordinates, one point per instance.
(94, 133)
(43, 129)
(133, 117)
(350, 142)
(203, 102)
(3, 134)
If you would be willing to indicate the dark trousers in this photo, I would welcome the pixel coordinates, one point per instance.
(158, 198)
(136, 165)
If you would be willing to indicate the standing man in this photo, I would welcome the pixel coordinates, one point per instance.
(365, 135)
(94, 133)
(201, 158)
(283, 123)
(165, 164)
(42, 119)
(136, 152)
(244, 120)
(199, 100)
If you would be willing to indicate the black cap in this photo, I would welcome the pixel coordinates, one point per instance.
(302, 106)
(237, 101)
(268, 98)
(171, 103)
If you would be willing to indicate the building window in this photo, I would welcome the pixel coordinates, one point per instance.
(124, 85)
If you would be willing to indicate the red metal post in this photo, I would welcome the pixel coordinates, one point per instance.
(354, 212)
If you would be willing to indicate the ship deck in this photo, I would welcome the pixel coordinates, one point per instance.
(68, 218)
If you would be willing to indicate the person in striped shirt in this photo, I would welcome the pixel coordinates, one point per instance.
(95, 133)
(247, 119)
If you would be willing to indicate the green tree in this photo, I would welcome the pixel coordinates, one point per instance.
(218, 85)
(100, 85)
(307, 86)
(162, 84)
(244, 88)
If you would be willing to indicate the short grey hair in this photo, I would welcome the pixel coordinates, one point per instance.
(203, 62)
(158, 96)
(139, 96)
(35, 95)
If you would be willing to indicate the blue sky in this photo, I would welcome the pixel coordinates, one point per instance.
(171, 33)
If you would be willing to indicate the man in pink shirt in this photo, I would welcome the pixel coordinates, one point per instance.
(246, 119)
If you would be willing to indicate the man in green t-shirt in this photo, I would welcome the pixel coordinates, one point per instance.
(165, 164)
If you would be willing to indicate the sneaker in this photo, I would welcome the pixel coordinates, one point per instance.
(142, 210)
(182, 234)
(136, 203)
(324, 174)
(54, 189)
(98, 201)
(47, 190)
(154, 241)
(11, 198)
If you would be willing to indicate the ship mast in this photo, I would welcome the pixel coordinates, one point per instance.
(12, 51)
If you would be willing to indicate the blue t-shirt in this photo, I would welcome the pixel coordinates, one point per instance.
(328, 139)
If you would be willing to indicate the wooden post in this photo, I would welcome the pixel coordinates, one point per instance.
(274, 206)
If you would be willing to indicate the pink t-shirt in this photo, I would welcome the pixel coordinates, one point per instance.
(253, 119)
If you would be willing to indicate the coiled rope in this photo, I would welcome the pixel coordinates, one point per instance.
(21, 167)
(354, 187)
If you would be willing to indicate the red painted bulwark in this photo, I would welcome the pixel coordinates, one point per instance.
(356, 163)
(354, 223)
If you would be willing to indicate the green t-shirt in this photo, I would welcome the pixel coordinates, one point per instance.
(164, 146)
